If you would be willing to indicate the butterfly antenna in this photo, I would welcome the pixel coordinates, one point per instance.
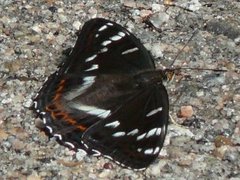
(180, 51)
(203, 69)
(172, 3)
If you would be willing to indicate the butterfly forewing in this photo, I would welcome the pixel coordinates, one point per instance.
(109, 46)
(94, 98)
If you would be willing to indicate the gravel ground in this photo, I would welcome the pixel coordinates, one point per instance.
(33, 35)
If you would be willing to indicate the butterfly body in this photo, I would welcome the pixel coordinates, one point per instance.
(107, 98)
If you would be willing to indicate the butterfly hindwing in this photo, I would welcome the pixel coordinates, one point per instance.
(134, 135)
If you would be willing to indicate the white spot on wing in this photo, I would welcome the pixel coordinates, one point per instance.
(70, 144)
(139, 149)
(36, 96)
(58, 136)
(103, 50)
(148, 151)
(113, 124)
(105, 43)
(50, 129)
(35, 104)
(93, 67)
(141, 136)
(102, 113)
(154, 111)
(115, 38)
(88, 81)
(97, 153)
(86, 146)
(130, 50)
(133, 132)
(156, 151)
(102, 28)
(91, 58)
(122, 34)
(108, 157)
(110, 24)
(151, 132)
(44, 120)
(42, 113)
(119, 134)
(158, 131)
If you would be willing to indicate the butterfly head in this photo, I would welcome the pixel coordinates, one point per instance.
(168, 75)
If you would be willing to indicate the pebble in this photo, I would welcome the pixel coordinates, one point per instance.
(220, 152)
(157, 7)
(145, 13)
(76, 25)
(108, 166)
(18, 145)
(3, 135)
(80, 155)
(37, 28)
(222, 141)
(104, 174)
(186, 112)
(159, 19)
(129, 3)
(34, 177)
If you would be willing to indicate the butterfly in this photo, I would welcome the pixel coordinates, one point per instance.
(107, 98)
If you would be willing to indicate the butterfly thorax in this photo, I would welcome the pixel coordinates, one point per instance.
(153, 77)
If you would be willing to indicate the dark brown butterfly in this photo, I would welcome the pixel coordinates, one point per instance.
(107, 98)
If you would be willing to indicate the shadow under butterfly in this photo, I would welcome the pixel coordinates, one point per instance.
(107, 98)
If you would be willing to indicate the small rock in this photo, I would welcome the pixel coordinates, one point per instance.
(33, 177)
(76, 25)
(145, 13)
(130, 3)
(62, 18)
(69, 163)
(104, 174)
(3, 135)
(220, 152)
(186, 160)
(157, 7)
(37, 28)
(80, 155)
(60, 39)
(108, 165)
(159, 19)
(155, 169)
(186, 111)
(157, 50)
(93, 12)
(222, 141)
(19, 132)
(18, 145)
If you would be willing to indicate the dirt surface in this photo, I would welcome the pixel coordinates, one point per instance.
(33, 35)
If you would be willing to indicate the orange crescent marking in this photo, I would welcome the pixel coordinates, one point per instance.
(57, 106)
